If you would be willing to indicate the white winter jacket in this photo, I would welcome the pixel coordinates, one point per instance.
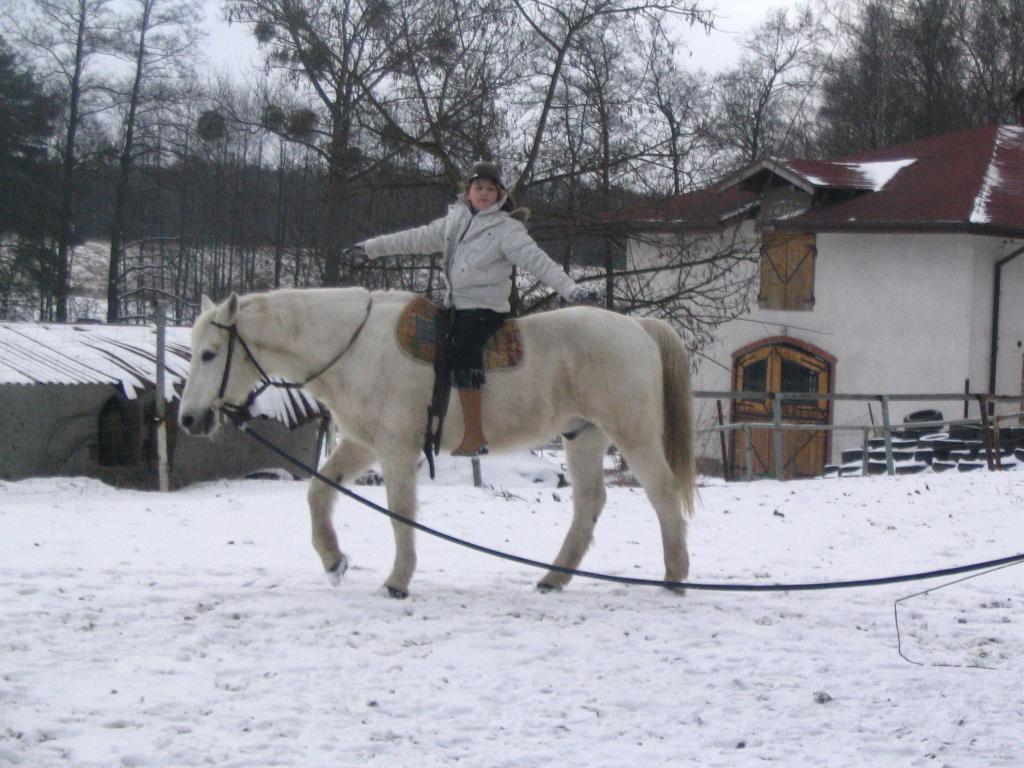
(479, 253)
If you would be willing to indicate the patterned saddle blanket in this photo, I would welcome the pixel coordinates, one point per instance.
(417, 337)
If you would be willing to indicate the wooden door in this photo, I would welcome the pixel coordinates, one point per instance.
(782, 367)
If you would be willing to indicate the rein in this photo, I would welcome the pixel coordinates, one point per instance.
(239, 414)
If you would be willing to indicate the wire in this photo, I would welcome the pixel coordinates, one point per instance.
(896, 616)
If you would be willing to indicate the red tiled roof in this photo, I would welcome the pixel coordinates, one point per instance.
(706, 208)
(970, 180)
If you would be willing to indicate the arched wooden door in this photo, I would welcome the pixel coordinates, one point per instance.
(782, 365)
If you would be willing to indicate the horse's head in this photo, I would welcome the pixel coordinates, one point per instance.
(221, 372)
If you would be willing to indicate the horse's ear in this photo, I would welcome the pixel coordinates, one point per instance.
(207, 303)
(232, 307)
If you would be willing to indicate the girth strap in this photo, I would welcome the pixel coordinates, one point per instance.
(444, 321)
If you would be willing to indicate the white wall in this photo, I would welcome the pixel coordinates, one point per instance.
(901, 313)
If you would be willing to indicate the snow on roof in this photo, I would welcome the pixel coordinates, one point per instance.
(999, 177)
(870, 175)
(991, 182)
(120, 355)
(878, 174)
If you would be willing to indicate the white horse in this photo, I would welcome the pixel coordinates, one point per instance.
(612, 378)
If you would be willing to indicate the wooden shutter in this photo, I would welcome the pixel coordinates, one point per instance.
(787, 271)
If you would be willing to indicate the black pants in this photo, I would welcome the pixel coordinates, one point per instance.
(471, 329)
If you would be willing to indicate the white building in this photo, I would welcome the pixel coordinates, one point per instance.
(898, 270)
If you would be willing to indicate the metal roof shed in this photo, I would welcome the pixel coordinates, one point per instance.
(80, 399)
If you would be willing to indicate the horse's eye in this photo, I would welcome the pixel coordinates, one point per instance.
(208, 355)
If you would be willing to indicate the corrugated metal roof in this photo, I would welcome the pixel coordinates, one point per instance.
(122, 356)
(970, 181)
(940, 190)
(706, 208)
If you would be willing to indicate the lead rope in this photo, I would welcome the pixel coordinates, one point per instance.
(711, 587)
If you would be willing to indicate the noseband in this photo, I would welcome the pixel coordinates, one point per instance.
(239, 414)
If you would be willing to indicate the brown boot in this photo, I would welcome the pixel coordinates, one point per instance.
(473, 441)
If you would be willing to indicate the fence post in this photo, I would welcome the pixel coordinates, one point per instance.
(986, 431)
(748, 443)
(890, 465)
(864, 457)
(780, 464)
(162, 468)
(726, 468)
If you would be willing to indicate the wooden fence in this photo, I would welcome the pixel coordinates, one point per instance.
(988, 422)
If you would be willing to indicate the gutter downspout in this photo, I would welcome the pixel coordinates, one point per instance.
(996, 291)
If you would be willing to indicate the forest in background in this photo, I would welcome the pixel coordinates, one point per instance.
(365, 112)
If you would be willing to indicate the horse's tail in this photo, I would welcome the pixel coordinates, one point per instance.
(678, 407)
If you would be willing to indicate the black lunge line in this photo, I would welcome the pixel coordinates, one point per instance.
(805, 587)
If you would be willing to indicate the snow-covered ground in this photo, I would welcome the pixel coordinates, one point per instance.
(196, 629)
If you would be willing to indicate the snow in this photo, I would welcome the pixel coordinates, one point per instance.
(90, 354)
(121, 355)
(1007, 134)
(196, 628)
(876, 174)
(880, 173)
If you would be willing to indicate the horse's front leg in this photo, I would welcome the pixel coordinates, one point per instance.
(585, 456)
(345, 464)
(400, 483)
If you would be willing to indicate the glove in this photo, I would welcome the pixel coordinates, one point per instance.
(583, 295)
(356, 251)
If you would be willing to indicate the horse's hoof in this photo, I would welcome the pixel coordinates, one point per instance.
(398, 594)
(336, 571)
(545, 588)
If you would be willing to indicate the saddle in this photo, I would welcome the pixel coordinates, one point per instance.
(423, 333)
(423, 323)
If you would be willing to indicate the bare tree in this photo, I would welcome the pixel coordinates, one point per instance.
(559, 28)
(680, 132)
(911, 68)
(336, 55)
(860, 89)
(993, 42)
(759, 102)
(154, 37)
(27, 117)
(63, 38)
(695, 280)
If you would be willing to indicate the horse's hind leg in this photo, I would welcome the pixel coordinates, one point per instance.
(585, 457)
(647, 461)
(345, 464)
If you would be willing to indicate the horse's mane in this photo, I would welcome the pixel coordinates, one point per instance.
(345, 293)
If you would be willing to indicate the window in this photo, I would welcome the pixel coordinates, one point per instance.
(783, 366)
(796, 377)
(755, 376)
(787, 271)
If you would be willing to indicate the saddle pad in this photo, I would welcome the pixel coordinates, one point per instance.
(417, 336)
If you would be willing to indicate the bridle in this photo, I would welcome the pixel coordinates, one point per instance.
(239, 413)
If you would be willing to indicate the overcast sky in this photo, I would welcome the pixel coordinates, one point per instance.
(720, 49)
(232, 47)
